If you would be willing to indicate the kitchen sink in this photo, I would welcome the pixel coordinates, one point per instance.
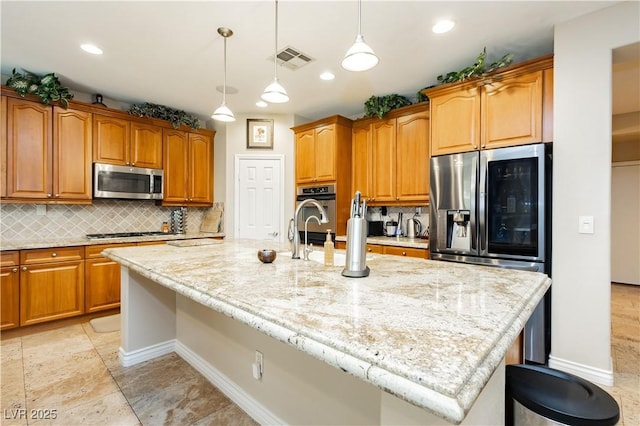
(317, 256)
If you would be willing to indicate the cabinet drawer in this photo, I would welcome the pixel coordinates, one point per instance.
(374, 248)
(95, 251)
(151, 243)
(57, 254)
(406, 251)
(9, 258)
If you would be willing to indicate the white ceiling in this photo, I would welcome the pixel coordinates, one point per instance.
(171, 54)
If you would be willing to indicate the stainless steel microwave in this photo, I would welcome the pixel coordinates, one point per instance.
(126, 182)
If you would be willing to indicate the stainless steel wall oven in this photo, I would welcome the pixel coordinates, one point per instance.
(326, 196)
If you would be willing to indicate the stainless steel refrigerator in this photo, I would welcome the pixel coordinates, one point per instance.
(493, 208)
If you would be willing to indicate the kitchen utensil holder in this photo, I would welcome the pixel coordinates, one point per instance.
(179, 220)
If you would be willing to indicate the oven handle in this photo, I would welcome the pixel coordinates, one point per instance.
(316, 197)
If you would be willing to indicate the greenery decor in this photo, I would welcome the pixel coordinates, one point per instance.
(380, 105)
(478, 69)
(176, 117)
(47, 87)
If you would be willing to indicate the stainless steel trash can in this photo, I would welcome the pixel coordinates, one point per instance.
(541, 395)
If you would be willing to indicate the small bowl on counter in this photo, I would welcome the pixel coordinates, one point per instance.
(266, 255)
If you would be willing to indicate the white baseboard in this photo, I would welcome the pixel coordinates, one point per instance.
(243, 400)
(587, 372)
(127, 359)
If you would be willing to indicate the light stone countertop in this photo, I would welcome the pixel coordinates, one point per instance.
(429, 332)
(83, 241)
(420, 243)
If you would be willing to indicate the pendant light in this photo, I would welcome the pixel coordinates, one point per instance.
(223, 113)
(274, 92)
(360, 56)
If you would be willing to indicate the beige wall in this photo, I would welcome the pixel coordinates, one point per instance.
(582, 186)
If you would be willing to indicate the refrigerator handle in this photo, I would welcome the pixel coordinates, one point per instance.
(474, 205)
(482, 205)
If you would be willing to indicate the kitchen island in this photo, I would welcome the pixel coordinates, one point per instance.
(421, 341)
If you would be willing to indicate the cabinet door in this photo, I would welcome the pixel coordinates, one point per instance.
(406, 251)
(29, 149)
(111, 140)
(512, 111)
(200, 169)
(305, 156)
(175, 166)
(455, 122)
(383, 164)
(102, 284)
(9, 297)
(412, 150)
(146, 146)
(72, 145)
(325, 153)
(51, 291)
(3, 147)
(360, 165)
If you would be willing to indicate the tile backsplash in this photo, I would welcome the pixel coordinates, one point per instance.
(373, 213)
(26, 221)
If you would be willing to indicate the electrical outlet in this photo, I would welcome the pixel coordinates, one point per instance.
(418, 211)
(258, 366)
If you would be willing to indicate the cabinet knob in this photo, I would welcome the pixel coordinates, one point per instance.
(54, 254)
(133, 164)
(404, 253)
(397, 198)
(24, 268)
(48, 195)
(369, 249)
(14, 270)
(57, 196)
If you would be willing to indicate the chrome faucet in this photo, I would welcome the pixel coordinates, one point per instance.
(296, 234)
(308, 248)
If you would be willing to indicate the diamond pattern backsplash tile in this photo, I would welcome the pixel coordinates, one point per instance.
(22, 222)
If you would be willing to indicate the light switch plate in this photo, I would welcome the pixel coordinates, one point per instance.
(585, 224)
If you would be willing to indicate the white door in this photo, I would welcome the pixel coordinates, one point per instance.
(625, 222)
(259, 202)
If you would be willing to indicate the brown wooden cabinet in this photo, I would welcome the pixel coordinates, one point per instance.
(102, 278)
(3, 147)
(510, 107)
(391, 157)
(9, 290)
(188, 168)
(392, 250)
(48, 152)
(51, 284)
(126, 143)
(318, 148)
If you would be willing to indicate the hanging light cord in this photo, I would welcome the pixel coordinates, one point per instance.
(224, 87)
(359, 17)
(275, 55)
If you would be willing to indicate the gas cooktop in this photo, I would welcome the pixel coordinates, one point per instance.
(126, 234)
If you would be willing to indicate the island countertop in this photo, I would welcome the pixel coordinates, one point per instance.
(429, 332)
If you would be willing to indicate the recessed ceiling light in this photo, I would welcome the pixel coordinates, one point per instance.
(262, 104)
(443, 26)
(327, 76)
(91, 48)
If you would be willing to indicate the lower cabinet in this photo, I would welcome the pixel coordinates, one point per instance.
(10, 290)
(51, 289)
(102, 280)
(393, 250)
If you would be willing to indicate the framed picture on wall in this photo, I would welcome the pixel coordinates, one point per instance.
(259, 133)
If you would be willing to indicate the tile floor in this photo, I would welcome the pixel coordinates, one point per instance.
(69, 368)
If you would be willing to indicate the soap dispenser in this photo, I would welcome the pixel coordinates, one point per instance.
(328, 250)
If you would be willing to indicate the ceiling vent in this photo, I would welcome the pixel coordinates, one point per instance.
(292, 58)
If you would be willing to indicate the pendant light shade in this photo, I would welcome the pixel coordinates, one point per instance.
(223, 113)
(274, 92)
(360, 56)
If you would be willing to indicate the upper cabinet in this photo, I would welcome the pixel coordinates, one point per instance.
(188, 168)
(391, 157)
(48, 152)
(509, 107)
(126, 143)
(319, 146)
